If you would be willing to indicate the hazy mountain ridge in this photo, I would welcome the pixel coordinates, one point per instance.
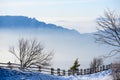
(22, 22)
(69, 43)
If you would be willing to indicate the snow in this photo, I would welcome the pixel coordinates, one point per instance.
(7, 74)
(104, 75)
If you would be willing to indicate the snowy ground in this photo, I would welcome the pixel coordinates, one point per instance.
(6, 74)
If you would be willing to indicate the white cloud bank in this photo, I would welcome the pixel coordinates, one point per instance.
(81, 24)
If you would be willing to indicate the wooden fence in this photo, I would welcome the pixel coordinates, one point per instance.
(58, 71)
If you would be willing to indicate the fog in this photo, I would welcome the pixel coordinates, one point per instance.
(66, 47)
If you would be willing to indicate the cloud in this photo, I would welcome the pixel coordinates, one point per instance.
(23, 3)
(81, 24)
(18, 4)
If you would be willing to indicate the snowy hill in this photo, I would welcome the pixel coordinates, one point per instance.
(6, 74)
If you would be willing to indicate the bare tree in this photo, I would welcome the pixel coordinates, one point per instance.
(96, 62)
(109, 34)
(31, 52)
(109, 31)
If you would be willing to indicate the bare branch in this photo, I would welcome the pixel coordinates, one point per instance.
(31, 54)
(96, 62)
(110, 33)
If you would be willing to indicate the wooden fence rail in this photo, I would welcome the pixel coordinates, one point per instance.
(58, 71)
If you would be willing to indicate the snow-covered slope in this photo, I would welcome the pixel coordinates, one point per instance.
(6, 74)
(104, 75)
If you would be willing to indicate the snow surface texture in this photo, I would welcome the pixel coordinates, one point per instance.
(6, 74)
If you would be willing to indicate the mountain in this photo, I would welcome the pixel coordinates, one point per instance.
(23, 22)
(66, 44)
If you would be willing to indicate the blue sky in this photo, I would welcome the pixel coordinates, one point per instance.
(75, 14)
(72, 14)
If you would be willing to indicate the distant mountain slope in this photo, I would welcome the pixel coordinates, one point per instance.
(67, 44)
(20, 21)
(23, 22)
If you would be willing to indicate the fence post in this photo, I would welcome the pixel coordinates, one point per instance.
(88, 71)
(103, 67)
(39, 67)
(52, 71)
(84, 71)
(64, 72)
(107, 67)
(77, 71)
(58, 71)
(92, 70)
(73, 72)
(9, 65)
(97, 69)
(110, 66)
(69, 72)
(81, 71)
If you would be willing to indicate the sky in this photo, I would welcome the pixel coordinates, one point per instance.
(80, 15)
(73, 14)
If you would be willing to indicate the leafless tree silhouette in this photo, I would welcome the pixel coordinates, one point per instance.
(31, 52)
(109, 31)
(96, 62)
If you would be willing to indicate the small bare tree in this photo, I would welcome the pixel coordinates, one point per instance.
(109, 31)
(96, 62)
(31, 52)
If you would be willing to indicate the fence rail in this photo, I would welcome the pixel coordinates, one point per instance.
(58, 71)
